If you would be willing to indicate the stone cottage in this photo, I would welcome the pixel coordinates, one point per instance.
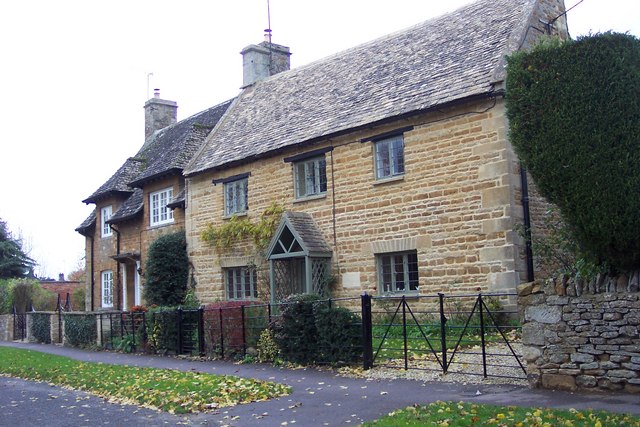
(391, 161)
(141, 201)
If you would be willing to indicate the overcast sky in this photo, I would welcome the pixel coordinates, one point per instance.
(73, 81)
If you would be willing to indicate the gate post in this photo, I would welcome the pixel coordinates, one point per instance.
(443, 333)
(179, 349)
(367, 338)
(201, 331)
(484, 350)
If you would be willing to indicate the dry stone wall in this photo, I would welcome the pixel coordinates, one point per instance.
(582, 335)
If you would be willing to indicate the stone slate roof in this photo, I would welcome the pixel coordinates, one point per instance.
(304, 225)
(119, 181)
(130, 208)
(166, 152)
(170, 149)
(450, 58)
(88, 223)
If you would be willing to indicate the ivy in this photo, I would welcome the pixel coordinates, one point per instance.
(41, 327)
(80, 329)
(223, 237)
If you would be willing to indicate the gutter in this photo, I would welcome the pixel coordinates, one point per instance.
(117, 265)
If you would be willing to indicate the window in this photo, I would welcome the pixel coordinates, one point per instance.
(310, 177)
(107, 288)
(398, 272)
(389, 157)
(158, 210)
(235, 196)
(105, 214)
(241, 283)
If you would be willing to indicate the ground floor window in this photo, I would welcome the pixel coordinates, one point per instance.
(107, 288)
(241, 283)
(398, 272)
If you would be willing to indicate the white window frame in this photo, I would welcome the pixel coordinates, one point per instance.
(107, 288)
(398, 272)
(310, 177)
(105, 214)
(241, 283)
(389, 159)
(236, 197)
(159, 213)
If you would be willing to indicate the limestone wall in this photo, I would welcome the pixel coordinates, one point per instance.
(581, 336)
(6, 327)
(456, 205)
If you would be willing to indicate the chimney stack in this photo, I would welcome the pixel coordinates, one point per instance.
(263, 60)
(61, 277)
(158, 114)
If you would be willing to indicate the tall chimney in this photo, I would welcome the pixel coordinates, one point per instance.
(263, 60)
(158, 114)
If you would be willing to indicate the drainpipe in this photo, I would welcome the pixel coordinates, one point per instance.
(93, 280)
(527, 222)
(117, 266)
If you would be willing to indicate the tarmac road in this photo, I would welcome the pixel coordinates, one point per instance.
(319, 398)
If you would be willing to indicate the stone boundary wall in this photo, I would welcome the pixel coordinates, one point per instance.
(577, 338)
(6, 327)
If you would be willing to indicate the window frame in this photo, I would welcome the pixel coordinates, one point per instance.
(234, 287)
(106, 282)
(238, 187)
(159, 213)
(106, 213)
(394, 158)
(319, 166)
(410, 278)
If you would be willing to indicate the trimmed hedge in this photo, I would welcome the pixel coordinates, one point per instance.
(41, 327)
(167, 270)
(80, 329)
(574, 114)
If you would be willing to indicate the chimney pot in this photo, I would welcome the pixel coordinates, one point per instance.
(156, 93)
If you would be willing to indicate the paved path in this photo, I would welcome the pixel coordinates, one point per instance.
(319, 397)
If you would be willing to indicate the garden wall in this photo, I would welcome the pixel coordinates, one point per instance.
(582, 336)
(6, 327)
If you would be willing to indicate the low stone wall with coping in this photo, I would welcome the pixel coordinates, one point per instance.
(581, 337)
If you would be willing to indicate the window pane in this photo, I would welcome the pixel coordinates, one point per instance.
(412, 267)
(398, 156)
(399, 272)
(382, 159)
(322, 167)
(385, 271)
(299, 177)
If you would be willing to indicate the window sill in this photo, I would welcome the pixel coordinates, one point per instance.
(382, 181)
(160, 224)
(398, 295)
(309, 198)
(236, 214)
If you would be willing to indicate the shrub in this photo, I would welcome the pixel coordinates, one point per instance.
(162, 329)
(575, 119)
(295, 331)
(268, 350)
(78, 299)
(232, 329)
(167, 270)
(6, 296)
(41, 327)
(339, 335)
(80, 329)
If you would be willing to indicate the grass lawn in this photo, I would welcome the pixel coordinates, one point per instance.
(450, 414)
(164, 389)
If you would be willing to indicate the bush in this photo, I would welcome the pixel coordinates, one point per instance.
(575, 122)
(339, 335)
(233, 330)
(6, 296)
(78, 299)
(80, 329)
(41, 327)
(162, 329)
(167, 270)
(295, 331)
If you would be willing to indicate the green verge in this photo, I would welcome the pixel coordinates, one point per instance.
(164, 389)
(450, 414)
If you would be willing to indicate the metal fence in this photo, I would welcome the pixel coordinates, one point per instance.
(471, 334)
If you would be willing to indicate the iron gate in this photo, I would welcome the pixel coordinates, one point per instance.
(473, 338)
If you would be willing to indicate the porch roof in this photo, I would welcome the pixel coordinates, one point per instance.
(307, 234)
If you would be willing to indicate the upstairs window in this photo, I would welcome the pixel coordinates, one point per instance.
(389, 157)
(105, 214)
(235, 196)
(107, 289)
(241, 283)
(158, 210)
(310, 177)
(398, 272)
